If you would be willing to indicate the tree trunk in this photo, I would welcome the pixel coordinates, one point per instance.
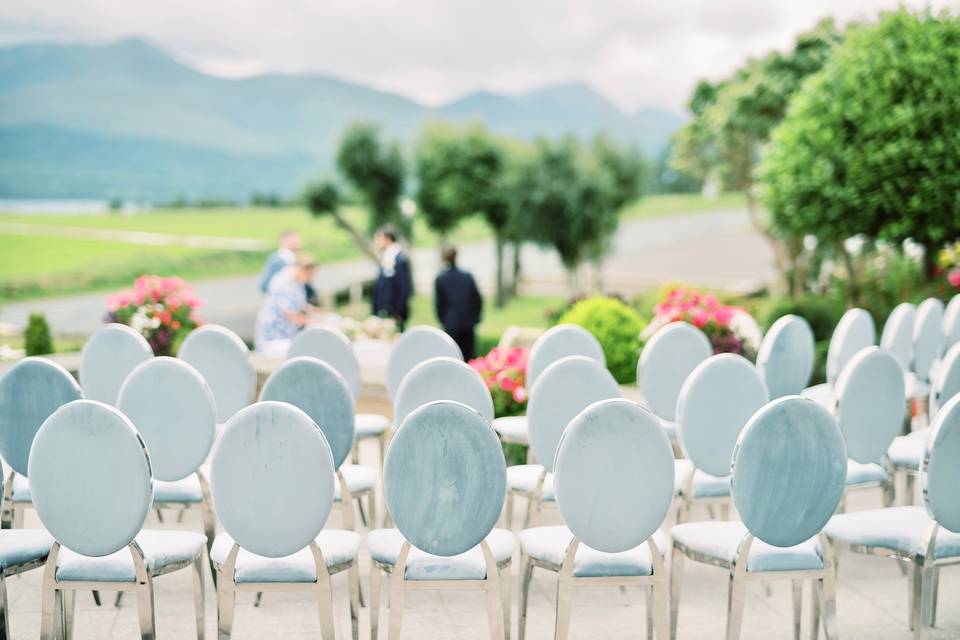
(500, 297)
(517, 268)
(781, 262)
(798, 266)
(358, 238)
(598, 285)
(573, 281)
(853, 285)
(929, 261)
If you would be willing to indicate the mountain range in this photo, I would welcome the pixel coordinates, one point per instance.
(127, 120)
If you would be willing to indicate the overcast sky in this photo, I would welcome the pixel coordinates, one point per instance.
(637, 52)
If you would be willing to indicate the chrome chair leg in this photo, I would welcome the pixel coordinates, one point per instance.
(661, 617)
(508, 510)
(736, 592)
(68, 609)
(934, 592)
(506, 578)
(929, 574)
(374, 600)
(353, 584)
(648, 593)
(797, 607)
(325, 600)
(815, 594)
(4, 622)
(397, 593)
(828, 605)
(495, 611)
(146, 611)
(564, 597)
(526, 573)
(198, 595)
(225, 606)
(676, 578)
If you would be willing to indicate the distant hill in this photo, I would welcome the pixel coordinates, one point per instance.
(127, 120)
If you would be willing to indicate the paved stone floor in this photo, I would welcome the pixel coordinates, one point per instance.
(871, 594)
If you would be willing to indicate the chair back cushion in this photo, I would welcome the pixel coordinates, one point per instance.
(897, 334)
(442, 379)
(786, 355)
(951, 322)
(716, 401)
(333, 347)
(927, 337)
(666, 361)
(559, 342)
(567, 387)
(316, 388)
(445, 478)
(90, 478)
(272, 479)
(854, 332)
(30, 391)
(789, 471)
(173, 408)
(107, 358)
(223, 360)
(939, 470)
(871, 401)
(613, 477)
(413, 347)
(946, 383)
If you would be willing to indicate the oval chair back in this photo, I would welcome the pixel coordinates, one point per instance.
(786, 355)
(951, 322)
(614, 443)
(946, 383)
(30, 391)
(871, 396)
(927, 337)
(413, 347)
(333, 347)
(223, 360)
(897, 334)
(716, 401)
(107, 358)
(443, 379)
(559, 342)
(567, 387)
(272, 479)
(939, 471)
(175, 414)
(90, 478)
(445, 478)
(854, 332)
(666, 361)
(789, 471)
(316, 388)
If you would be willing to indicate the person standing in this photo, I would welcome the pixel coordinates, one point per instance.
(394, 284)
(285, 255)
(458, 303)
(285, 310)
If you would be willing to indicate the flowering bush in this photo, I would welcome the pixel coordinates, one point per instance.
(504, 371)
(730, 329)
(163, 310)
(949, 261)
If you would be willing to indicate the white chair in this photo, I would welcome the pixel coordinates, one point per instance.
(107, 358)
(413, 347)
(272, 474)
(854, 332)
(786, 355)
(716, 401)
(20, 551)
(316, 388)
(667, 359)
(223, 359)
(927, 538)
(334, 348)
(927, 347)
(788, 473)
(443, 379)
(444, 537)
(97, 517)
(557, 342)
(951, 323)
(567, 387)
(897, 334)
(610, 537)
(30, 391)
(173, 409)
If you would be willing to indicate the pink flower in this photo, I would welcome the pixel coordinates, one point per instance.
(520, 394)
(954, 278)
(700, 319)
(724, 315)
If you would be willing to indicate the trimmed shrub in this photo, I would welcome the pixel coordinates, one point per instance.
(617, 327)
(36, 337)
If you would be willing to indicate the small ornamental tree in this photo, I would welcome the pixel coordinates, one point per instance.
(376, 171)
(36, 337)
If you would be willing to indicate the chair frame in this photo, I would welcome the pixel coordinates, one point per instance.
(227, 587)
(58, 596)
(823, 595)
(9, 572)
(534, 499)
(686, 501)
(655, 587)
(11, 515)
(496, 585)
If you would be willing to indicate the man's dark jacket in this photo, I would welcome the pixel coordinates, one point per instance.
(457, 300)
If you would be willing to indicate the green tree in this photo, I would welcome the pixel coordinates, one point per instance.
(36, 337)
(322, 198)
(870, 144)
(375, 170)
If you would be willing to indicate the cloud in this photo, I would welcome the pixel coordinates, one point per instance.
(638, 53)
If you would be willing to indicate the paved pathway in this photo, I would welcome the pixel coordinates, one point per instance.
(717, 249)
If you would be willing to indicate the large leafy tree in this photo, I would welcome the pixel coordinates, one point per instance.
(870, 145)
(376, 170)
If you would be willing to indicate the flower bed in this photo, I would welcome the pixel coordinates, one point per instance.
(162, 310)
(504, 371)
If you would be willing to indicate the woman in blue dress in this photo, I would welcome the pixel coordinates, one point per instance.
(285, 310)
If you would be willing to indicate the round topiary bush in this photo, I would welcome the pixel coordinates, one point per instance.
(617, 327)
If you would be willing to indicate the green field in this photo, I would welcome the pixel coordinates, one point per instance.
(41, 265)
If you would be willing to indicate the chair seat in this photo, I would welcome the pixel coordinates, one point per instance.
(720, 540)
(549, 545)
(359, 478)
(186, 490)
(704, 484)
(512, 429)
(338, 547)
(906, 452)
(385, 544)
(822, 394)
(22, 546)
(160, 550)
(915, 387)
(859, 473)
(523, 478)
(669, 428)
(903, 529)
(371, 425)
(21, 489)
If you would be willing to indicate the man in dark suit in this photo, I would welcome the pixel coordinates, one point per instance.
(394, 284)
(458, 303)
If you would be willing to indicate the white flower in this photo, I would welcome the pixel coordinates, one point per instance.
(746, 328)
